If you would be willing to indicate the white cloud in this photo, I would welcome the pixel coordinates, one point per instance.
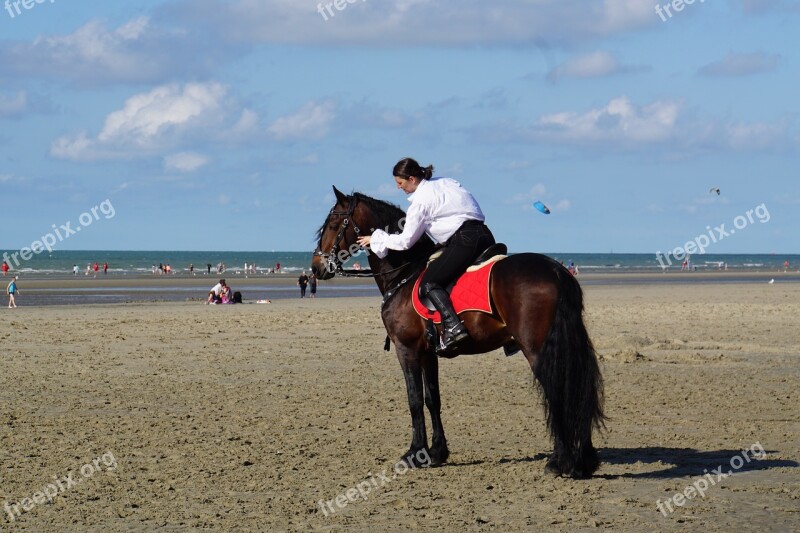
(562, 205)
(663, 125)
(620, 121)
(155, 121)
(420, 22)
(185, 161)
(757, 135)
(13, 106)
(741, 65)
(135, 52)
(592, 65)
(759, 7)
(535, 193)
(312, 121)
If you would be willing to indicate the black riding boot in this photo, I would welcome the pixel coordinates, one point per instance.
(454, 332)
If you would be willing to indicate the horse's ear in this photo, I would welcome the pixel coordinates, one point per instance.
(341, 197)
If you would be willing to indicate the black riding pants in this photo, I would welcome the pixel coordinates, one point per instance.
(466, 244)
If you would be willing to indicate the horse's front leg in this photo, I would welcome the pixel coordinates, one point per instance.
(430, 373)
(411, 363)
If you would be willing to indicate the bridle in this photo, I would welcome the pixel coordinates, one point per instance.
(331, 259)
(334, 265)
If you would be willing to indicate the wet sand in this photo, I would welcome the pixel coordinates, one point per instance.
(245, 417)
(116, 289)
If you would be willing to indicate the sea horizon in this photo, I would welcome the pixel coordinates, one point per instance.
(132, 262)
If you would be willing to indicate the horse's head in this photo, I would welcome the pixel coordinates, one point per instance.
(337, 236)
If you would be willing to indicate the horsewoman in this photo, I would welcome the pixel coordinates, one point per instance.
(451, 216)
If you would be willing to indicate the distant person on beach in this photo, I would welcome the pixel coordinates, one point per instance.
(88, 269)
(226, 296)
(302, 281)
(312, 281)
(191, 268)
(5, 268)
(74, 270)
(215, 294)
(96, 268)
(572, 268)
(278, 268)
(208, 267)
(786, 266)
(12, 290)
(105, 267)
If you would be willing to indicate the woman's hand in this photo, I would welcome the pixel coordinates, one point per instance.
(364, 241)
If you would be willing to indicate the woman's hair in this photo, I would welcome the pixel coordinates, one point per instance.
(406, 168)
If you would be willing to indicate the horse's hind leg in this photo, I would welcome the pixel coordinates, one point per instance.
(430, 374)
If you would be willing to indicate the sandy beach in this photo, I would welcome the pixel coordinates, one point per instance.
(246, 417)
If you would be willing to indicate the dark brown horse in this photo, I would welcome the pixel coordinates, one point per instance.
(539, 308)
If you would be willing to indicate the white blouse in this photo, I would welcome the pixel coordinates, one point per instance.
(439, 207)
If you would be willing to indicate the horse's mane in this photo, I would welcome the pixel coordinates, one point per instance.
(387, 214)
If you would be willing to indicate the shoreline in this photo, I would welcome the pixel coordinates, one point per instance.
(111, 289)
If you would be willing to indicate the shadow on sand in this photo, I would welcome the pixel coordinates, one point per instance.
(688, 462)
(683, 462)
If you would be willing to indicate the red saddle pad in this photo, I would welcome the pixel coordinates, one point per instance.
(470, 293)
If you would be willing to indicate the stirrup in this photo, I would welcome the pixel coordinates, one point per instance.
(450, 340)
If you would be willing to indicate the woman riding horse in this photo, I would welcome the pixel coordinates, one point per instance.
(449, 214)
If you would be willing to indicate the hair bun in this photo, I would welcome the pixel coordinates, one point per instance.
(427, 172)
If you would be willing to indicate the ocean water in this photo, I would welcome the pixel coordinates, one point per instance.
(59, 263)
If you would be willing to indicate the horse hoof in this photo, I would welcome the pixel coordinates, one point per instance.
(417, 458)
(552, 467)
(439, 456)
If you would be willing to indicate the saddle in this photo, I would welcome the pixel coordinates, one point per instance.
(470, 292)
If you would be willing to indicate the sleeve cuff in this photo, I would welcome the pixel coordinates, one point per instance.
(378, 242)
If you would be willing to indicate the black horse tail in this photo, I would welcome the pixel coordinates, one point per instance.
(572, 384)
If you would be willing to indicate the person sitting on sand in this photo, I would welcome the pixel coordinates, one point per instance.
(226, 296)
(215, 294)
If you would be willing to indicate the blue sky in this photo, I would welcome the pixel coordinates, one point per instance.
(222, 125)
